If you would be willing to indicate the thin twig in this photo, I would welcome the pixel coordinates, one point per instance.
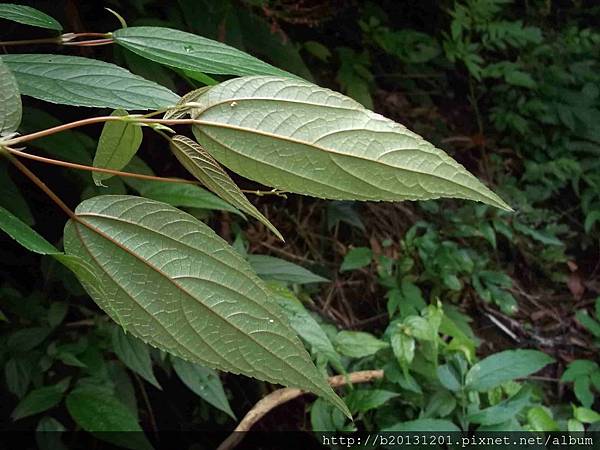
(282, 396)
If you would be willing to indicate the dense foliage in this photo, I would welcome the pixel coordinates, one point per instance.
(481, 318)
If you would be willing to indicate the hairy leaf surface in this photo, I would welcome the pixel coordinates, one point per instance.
(28, 16)
(10, 101)
(172, 282)
(191, 52)
(203, 166)
(77, 81)
(302, 138)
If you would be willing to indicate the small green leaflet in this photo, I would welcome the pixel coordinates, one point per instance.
(191, 52)
(77, 81)
(272, 268)
(358, 344)
(203, 166)
(96, 410)
(10, 101)
(169, 280)
(505, 366)
(119, 141)
(28, 16)
(356, 258)
(299, 137)
(204, 382)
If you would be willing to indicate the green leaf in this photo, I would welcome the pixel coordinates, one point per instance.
(591, 219)
(364, 400)
(11, 109)
(203, 166)
(583, 392)
(203, 382)
(40, 400)
(356, 258)
(48, 434)
(191, 52)
(590, 324)
(305, 325)
(358, 344)
(118, 143)
(77, 81)
(503, 411)
(505, 366)
(24, 235)
(96, 410)
(134, 354)
(11, 198)
(586, 415)
(171, 281)
(299, 137)
(403, 347)
(579, 368)
(423, 425)
(272, 268)
(540, 420)
(449, 377)
(28, 16)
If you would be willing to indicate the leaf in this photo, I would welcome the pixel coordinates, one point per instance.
(11, 109)
(540, 420)
(583, 392)
(356, 258)
(40, 400)
(96, 410)
(204, 382)
(28, 16)
(272, 268)
(299, 137)
(134, 354)
(579, 368)
(503, 411)
(586, 415)
(423, 425)
(505, 366)
(180, 195)
(77, 81)
(172, 282)
(11, 198)
(24, 235)
(48, 434)
(448, 376)
(364, 400)
(118, 143)
(305, 325)
(403, 347)
(358, 344)
(191, 52)
(203, 166)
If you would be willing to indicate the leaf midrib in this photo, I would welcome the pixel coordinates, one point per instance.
(185, 291)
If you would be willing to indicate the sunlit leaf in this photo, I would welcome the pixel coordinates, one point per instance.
(172, 282)
(299, 137)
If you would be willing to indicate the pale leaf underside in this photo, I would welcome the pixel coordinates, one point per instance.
(10, 101)
(172, 282)
(299, 137)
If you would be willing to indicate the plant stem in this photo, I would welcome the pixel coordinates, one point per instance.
(39, 183)
(70, 165)
(64, 39)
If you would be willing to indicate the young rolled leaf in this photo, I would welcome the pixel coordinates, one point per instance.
(299, 137)
(77, 81)
(191, 52)
(118, 143)
(28, 16)
(172, 282)
(10, 101)
(203, 166)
